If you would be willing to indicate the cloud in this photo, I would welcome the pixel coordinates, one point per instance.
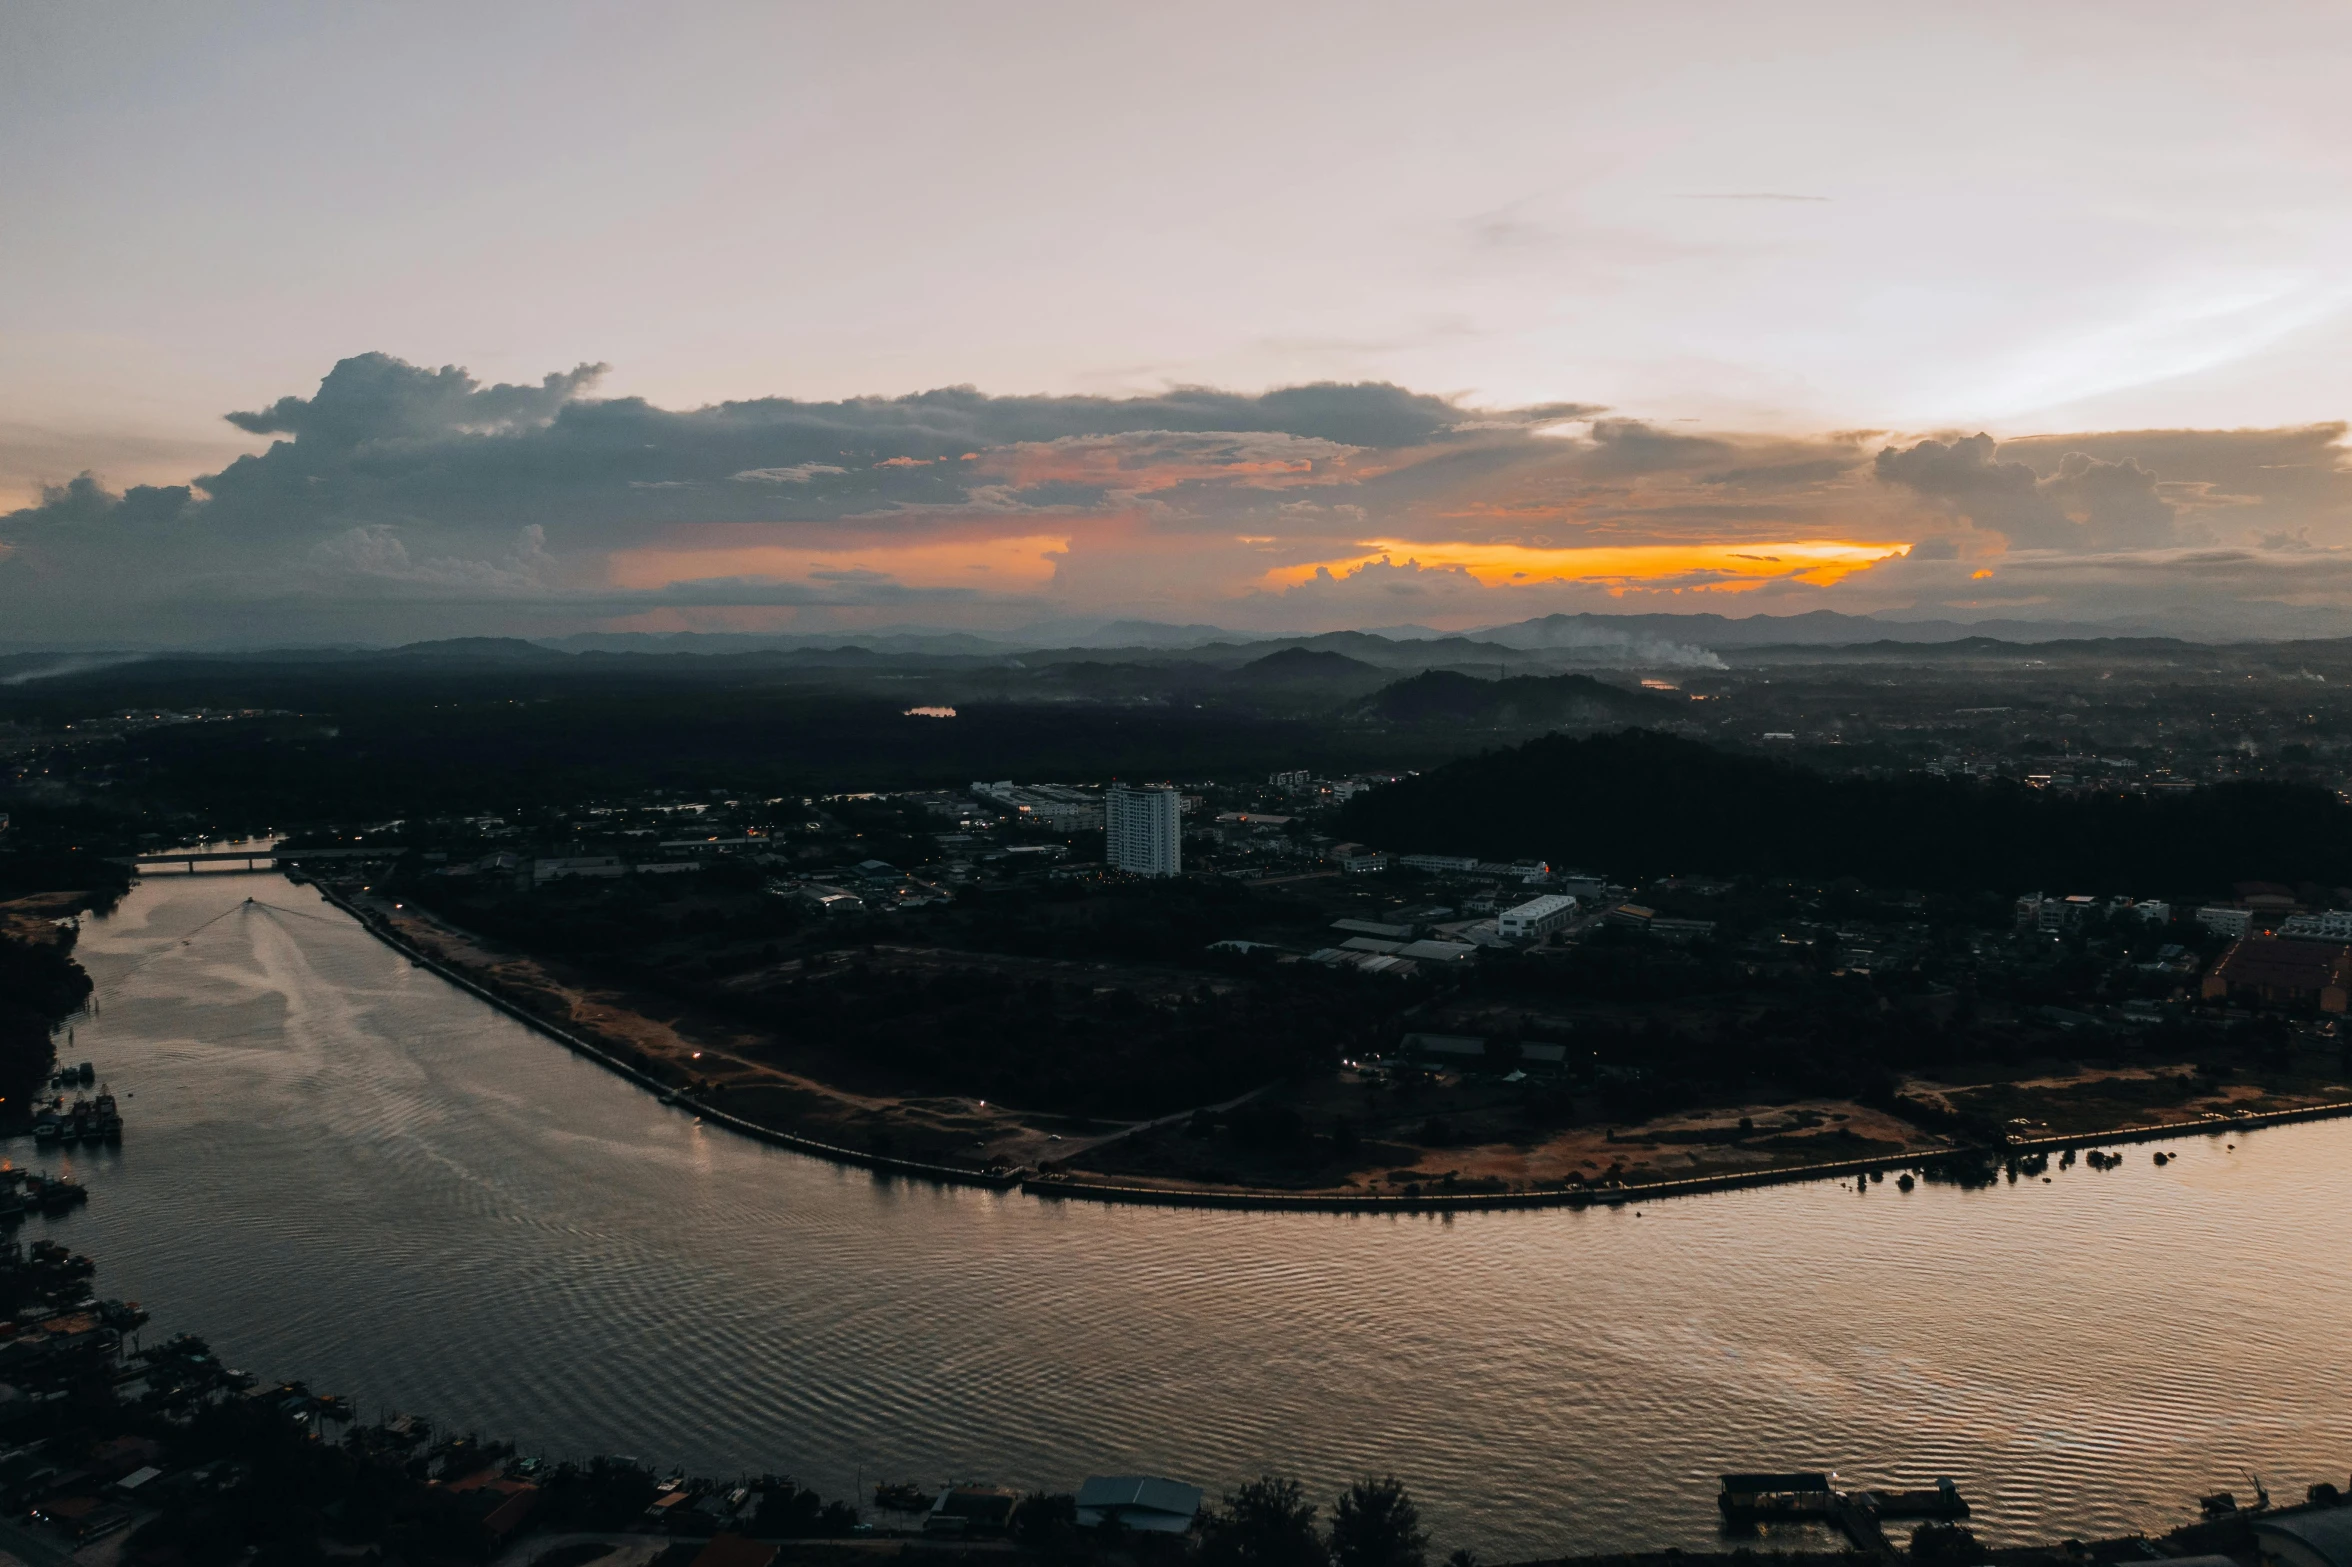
(798, 473)
(1820, 470)
(372, 397)
(399, 500)
(2085, 503)
(1144, 463)
(2251, 480)
(377, 551)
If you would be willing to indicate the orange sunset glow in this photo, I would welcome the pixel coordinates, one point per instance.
(1026, 561)
(1727, 567)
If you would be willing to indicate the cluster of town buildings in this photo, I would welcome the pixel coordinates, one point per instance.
(2282, 951)
(2285, 949)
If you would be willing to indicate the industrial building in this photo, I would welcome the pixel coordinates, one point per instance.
(2281, 972)
(1536, 918)
(1058, 806)
(2317, 1538)
(1143, 1502)
(2225, 920)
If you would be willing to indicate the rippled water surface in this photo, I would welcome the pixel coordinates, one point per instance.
(341, 1169)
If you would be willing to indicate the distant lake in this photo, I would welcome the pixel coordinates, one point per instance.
(340, 1169)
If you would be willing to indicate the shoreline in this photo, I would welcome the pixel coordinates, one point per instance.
(546, 1508)
(367, 921)
(1263, 1200)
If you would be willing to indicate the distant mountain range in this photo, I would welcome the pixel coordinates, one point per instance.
(1646, 640)
(1654, 641)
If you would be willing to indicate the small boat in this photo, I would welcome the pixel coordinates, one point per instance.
(105, 1118)
(87, 1073)
(47, 1125)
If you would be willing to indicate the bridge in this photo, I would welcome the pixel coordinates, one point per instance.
(250, 859)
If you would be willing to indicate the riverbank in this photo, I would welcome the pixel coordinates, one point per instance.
(376, 922)
(350, 1169)
(167, 1447)
(161, 1453)
(1928, 1157)
(40, 987)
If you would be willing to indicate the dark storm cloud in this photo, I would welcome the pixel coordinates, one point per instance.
(1774, 476)
(384, 442)
(2284, 481)
(374, 397)
(2084, 503)
(401, 491)
(1625, 446)
(396, 478)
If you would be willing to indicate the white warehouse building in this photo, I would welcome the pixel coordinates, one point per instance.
(1141, 829)
(1536, 918)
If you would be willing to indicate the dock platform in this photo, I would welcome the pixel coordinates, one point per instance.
(1815, 1497)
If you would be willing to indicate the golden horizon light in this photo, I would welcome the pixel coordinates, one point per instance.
(1024, 561)
(1729, 567)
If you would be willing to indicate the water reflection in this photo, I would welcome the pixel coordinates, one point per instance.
(341, 1169)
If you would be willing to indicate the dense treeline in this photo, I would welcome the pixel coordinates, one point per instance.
(346, 740)
(62, 870)
(1056, 1045)
(40, 984)
(364, 753)
(281, 1497)
(918, 1002)
(1641, 804)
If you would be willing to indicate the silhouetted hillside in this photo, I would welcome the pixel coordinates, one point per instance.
(1304, 665)
(1448, 696)
(1643, 804)
(478, 648)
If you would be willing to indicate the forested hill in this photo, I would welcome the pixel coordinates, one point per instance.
(1642, 804)
(1449, 696)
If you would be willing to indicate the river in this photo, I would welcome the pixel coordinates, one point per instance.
(340, 1168)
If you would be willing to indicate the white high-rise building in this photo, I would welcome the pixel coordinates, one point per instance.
(1141, 825)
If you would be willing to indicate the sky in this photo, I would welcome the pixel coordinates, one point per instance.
(363, 324)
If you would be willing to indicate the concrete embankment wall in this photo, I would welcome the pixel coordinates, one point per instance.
(376, 926)
(1300, 1202)
(1650, 1191)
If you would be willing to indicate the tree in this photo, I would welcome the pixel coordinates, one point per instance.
(1047, 1524)
(1043, 1511)
(1267, 1523)
(1375, 1524)
(1948, 1543)
(40, 985)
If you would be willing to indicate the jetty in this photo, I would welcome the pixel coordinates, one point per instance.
(1810, 1496)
